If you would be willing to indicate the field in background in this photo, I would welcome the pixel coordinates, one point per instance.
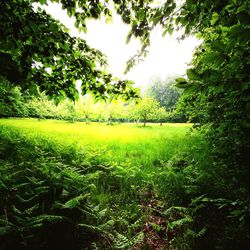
(113, 143)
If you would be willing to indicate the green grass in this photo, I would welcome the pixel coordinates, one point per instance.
(141, 146)
(117, 171)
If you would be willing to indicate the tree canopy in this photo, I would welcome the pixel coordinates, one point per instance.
(37, 50)
(165, 92)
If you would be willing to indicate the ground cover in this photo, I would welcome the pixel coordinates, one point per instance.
(110, 186)
(123, 142)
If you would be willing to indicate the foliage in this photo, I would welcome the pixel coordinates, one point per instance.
(40, 208)
(11, 101)
(160, 115)
(165, 92)
(216, 94)
(59, 194)
(37, 50)
(85, 109)
(146, 109)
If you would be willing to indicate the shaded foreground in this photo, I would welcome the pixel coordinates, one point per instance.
(78, 186)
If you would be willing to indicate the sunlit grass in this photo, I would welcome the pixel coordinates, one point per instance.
(141, 146)
(120, 162)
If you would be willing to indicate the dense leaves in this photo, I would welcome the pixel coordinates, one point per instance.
(217, 96)
(37, 50)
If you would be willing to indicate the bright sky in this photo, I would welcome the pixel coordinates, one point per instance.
(167, 56)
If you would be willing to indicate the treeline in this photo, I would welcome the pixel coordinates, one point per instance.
(158, 105)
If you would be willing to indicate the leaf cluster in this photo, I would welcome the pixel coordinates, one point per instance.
(37, 50)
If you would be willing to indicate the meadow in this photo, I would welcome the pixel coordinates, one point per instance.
(116, 143)
(110, 184)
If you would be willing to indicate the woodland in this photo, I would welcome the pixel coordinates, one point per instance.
(94, 169)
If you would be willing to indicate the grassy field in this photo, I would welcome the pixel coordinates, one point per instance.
(115, 143)
(118, 179)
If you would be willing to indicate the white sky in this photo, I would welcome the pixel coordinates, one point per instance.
(167, 56)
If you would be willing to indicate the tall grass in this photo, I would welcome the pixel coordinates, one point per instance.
(143, 146)
(130, 173)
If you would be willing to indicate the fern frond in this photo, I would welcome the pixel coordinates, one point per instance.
(91, 228)
(107, 226)
(74, 202)
(138, 239)
(31, 209)
(120, 241)
(46, 218)
(181, 222)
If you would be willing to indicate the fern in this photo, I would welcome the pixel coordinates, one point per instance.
(46, 218)
(138, 239)
(179, 223)
(106, 227)
(31, 210)
(120, 241)
(155, 226)
(76, 201)
(90, 228)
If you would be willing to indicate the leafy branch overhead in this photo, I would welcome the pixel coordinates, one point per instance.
(37, 50)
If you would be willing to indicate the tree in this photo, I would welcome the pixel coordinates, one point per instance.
(114, 111)
(84, 107)
(146, 109)
(11, 100)
(217, 87)
(37, 50)
(161, 115)
(165, 92)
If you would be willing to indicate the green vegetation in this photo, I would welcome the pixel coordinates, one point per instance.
(141, 146)
(165, 92)
(197, 199)
(103, 183)
(16, 104)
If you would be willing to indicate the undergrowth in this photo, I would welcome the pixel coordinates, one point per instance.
(56, 196)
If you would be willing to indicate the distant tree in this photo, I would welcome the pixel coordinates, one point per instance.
(71, 112)
(146, 109)
(160, 115)
(11, 100)
(114, 111)
(165, 92)
(84, 108)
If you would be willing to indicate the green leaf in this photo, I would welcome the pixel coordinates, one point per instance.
(213, 58)
(183, 85)
(164, 32)
(240, 9)
(46, 218)
(244, 85)
(218, 46)
(192, 75)
(181, 222)
(237, 213)
(5, 230)
(74, 202)
(141, 14)
(180, 79)
(215, 18)
(43, 1)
